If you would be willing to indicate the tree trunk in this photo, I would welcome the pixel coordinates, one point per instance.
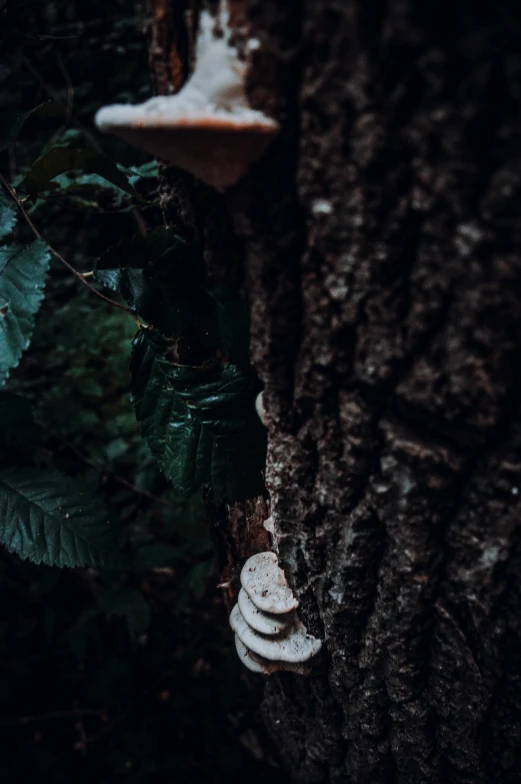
(378, 242)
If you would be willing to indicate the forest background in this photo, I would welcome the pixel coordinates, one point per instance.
(126, 674)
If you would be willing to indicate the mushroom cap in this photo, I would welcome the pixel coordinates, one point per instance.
(266, 585)
(249, 661)
(259, 408)
(260, 621)
(208, 127)
(216, 147)
(263, 666)
(295, 646)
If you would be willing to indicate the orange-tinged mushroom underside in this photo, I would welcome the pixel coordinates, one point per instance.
(217, 151)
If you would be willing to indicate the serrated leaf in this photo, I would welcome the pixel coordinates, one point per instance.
(200, 423)
(58, 159)
(7, 216)
(49, 518)
(23, 269)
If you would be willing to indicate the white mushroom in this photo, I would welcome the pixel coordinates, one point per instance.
(259, 408)
(248, 660)
(266, 585)
(295, 646)
(268, 636)
(208, 128)
(265, 623)
(258, 664)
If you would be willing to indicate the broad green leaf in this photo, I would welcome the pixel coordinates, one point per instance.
(7, 215)
(57, 160)
(49, 518)
(200, 423)
(23, 269)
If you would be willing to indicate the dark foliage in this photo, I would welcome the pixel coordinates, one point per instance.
(122, 670)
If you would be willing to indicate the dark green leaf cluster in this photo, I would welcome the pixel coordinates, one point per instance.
(200, 422)
(192, 392)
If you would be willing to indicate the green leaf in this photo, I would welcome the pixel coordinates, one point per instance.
(7, 215)
(200, 423)
(23, 269)
(131, 605)
(58, 159)
(48, 518)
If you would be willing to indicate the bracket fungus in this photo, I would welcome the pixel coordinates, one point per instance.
(268, 636)
(262, 622)
(259, 408)
(266, 584)
(208, 128)
(263, 666)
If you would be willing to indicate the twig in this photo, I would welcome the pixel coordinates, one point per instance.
(102, 470)
(141, 224)
(58, 255)
(49, 90)
(70, 87)
(139, 220)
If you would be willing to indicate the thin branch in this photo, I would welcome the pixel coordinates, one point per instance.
(102, 470)
(52, 93)
(139, 220)
(70, 87)
(58, 255)
(141, 224)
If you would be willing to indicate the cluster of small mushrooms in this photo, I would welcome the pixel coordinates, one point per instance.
(268, 635)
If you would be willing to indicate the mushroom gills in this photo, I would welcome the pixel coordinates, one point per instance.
(208, 128)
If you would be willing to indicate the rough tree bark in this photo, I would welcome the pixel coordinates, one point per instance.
(379, 245)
